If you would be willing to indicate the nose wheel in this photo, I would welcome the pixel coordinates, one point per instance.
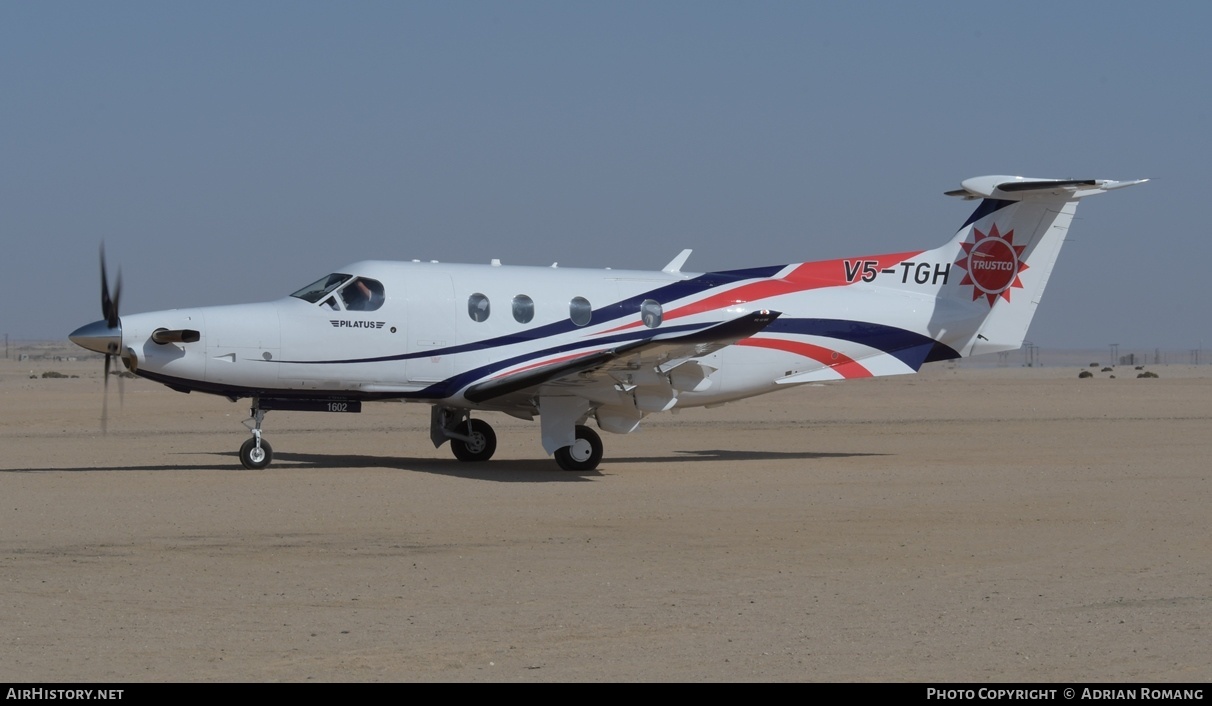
(255, 454)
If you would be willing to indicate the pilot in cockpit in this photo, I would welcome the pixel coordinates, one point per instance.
(357, 296)
(360, 295)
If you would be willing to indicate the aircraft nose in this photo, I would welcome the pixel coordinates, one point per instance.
(98, 336)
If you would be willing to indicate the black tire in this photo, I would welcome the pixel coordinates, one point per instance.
(255, 459)
(483, 442)
(581, 456)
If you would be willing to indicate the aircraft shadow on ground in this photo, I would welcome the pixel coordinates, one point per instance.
(733, 455)
(539, 470)
(514, 471)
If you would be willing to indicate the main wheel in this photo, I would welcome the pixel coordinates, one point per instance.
(253, 458)
(481, 443)
(584, 454)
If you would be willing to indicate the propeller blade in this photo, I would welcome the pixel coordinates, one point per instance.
(121, 390)
(105, 397)
(109, 310)
(113, 320)
(106, 304)
(109, 304)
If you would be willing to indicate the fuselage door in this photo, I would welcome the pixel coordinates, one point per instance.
(431, 325)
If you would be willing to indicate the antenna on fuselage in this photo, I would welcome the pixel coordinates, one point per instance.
(675, 265)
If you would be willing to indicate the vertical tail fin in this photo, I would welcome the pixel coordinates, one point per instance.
(1001, 258)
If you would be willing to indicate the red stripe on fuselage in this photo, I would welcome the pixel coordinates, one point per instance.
(806, 276)
(845, 366)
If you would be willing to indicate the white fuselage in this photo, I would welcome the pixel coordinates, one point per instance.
(422, 343)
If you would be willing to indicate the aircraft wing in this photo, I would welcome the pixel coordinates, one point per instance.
(660, 349)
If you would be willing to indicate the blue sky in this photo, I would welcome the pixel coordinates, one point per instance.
(230, 152)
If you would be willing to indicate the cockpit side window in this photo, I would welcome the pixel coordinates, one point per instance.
(316, 291)
(362, 294)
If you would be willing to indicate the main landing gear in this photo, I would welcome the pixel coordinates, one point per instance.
(473, 440)
(584, 454)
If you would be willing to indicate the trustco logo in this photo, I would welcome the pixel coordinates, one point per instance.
(992, 264)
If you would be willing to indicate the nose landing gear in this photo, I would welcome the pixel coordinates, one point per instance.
(255, 453)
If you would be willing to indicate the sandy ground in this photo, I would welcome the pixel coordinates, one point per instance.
(960, 525)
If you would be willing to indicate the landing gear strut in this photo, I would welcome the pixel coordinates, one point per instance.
(255, 453)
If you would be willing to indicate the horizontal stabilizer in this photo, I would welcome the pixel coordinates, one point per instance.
(1014, 188)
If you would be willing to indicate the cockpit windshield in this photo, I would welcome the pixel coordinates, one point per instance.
(353, 293)
(317, 290)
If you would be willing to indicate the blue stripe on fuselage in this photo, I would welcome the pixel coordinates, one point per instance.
(912, 349)
(611, 312)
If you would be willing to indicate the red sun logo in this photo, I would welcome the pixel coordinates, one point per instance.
(992, 264)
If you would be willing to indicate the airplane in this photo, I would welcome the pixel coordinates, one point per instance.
(568, 345)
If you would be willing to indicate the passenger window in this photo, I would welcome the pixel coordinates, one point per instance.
(523, 309)
(478, 307)
(580, 311)
(363, 294)
(651, 313)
